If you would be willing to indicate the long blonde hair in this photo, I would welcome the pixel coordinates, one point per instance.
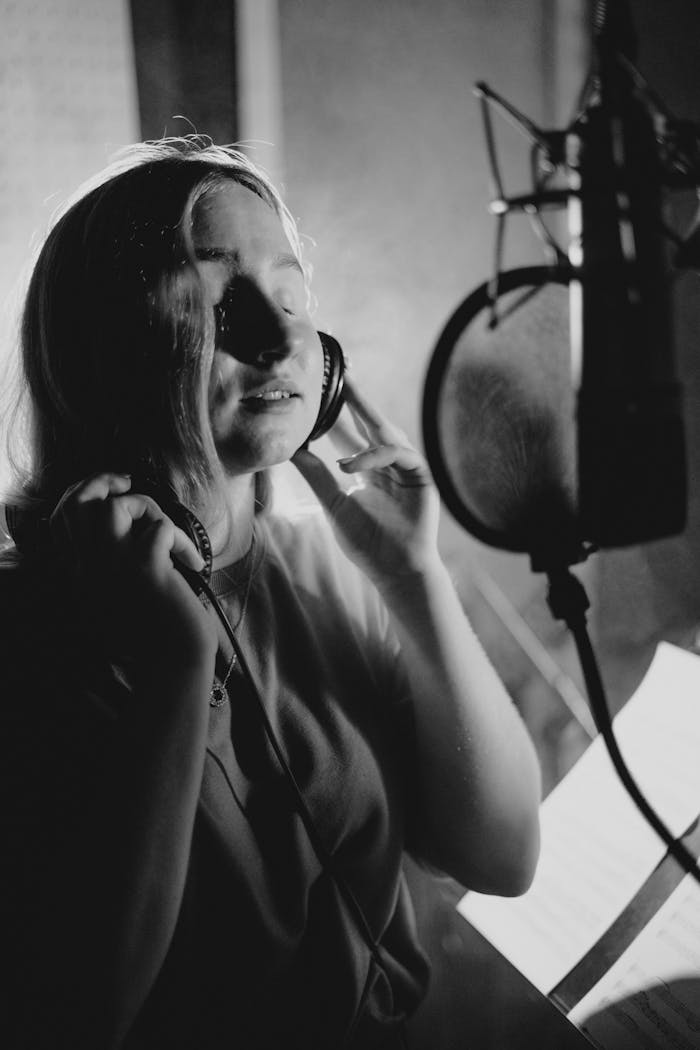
(117, 339)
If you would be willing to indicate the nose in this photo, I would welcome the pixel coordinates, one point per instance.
(251, 326)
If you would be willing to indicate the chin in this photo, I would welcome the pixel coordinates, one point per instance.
(239, 457)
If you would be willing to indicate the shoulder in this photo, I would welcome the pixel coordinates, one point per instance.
(306, 571)
(304, 548)
(303, 539)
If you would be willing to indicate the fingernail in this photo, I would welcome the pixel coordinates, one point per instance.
(346, 459)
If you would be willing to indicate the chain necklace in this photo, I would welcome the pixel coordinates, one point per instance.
(219, 694)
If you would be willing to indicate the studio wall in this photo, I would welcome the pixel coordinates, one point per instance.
(386, 170)
(67, 102)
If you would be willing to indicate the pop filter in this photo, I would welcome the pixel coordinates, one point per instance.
(499, 415)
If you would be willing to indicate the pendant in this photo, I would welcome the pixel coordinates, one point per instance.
(218, 695)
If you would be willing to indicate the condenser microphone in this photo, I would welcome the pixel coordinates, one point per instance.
(631, 450)
(586, 442)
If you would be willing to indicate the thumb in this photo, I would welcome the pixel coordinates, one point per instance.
(319, 478)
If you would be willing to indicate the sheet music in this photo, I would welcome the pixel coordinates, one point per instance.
(650, 998)
(597, 850)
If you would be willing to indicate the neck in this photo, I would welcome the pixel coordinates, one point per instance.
(231, 531)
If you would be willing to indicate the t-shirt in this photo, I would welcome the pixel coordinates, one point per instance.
(267, 952)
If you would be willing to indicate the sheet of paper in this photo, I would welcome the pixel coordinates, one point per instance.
(650, 998)
(597, 850)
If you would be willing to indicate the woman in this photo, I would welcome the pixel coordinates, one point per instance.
(170, 886)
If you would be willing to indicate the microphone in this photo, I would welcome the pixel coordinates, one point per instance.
(631, 449)
(618, 462)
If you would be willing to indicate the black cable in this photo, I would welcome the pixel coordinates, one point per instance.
(568, 601)
(319, 847)
(325, 858)
(323, 855)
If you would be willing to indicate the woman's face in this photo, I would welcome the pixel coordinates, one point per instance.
(266, 376)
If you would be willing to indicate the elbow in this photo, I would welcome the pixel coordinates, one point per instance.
(514, 862)
(506, 863)
(496, 849)
(515, 877)
(516, 845)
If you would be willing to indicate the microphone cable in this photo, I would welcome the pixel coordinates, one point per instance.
(323, 854)
(568, 601)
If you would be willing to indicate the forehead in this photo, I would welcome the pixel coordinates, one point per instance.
(232, 217)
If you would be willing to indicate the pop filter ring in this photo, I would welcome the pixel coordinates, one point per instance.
(482, 298)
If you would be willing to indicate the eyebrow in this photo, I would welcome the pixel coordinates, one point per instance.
(279, 261)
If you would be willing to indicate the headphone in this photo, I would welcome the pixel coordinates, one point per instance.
(332, 397)
(333, 368)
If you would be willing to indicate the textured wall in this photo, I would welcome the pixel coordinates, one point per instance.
(67, 101)
(385, 164)
(185, 67)
(386, 169)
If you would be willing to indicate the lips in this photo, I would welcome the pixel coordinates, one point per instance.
(270, 393)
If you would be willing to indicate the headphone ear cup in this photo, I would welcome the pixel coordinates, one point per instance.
(332, 398)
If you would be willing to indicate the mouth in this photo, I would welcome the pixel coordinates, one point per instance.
(271, 397)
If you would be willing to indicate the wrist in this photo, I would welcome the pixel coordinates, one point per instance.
(430, 576)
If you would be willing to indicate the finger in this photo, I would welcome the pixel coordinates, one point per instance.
(344, 435)
(381, 456)
(154, 542)
(354, 399)
(134, 509)
(185, 551)
(99, 486)
(377, 427)
(96, 487)
(319, 478)
(163, 542)
(65, 530)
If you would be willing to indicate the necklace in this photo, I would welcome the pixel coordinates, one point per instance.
(218, 694)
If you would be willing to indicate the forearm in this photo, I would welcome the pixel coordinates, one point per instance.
(479, 781)
(112, 922)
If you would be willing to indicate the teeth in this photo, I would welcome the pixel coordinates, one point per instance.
(274, 395)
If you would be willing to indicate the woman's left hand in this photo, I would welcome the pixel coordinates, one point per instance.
(388, 523)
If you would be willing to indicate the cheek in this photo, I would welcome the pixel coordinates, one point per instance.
(215, 384)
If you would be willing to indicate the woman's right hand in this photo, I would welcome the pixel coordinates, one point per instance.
(121, 546)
